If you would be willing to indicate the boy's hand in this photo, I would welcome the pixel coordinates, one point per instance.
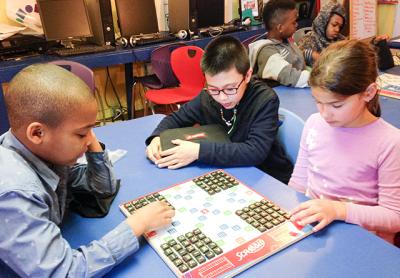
(315, 55)
(183, 154)
(382, 38)
(151, 217)
(153, 149)
(322, 211)
(94, 145)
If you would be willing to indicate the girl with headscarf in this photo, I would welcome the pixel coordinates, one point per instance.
(326, 29)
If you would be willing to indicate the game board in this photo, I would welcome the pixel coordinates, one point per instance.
(220, 228)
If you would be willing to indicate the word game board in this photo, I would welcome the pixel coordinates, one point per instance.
(220, 228)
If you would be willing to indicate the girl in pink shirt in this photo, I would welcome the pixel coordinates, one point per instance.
(349, 158)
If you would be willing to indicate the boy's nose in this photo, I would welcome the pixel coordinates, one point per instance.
(222, 96)
(89, 137)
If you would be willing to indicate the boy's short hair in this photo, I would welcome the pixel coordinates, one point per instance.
(44, 93)
(223, 53)
(273, 12)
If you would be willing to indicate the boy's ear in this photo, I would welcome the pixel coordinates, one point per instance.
(370, 92)
(279, 27)
(248, 75)
(35, 132)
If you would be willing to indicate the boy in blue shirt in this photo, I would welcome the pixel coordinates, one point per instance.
(52, 113)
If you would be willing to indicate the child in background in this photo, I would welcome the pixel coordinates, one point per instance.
(275, 59)
(348, 161)
(246, 109)
(326, 29)
(52, 113)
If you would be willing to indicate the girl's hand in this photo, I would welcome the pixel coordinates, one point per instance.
(317, 210)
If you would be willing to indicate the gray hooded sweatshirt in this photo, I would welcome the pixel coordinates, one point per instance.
(279, 61)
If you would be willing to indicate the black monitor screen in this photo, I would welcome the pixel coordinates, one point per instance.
(210, 13)
(64, 19)
(136, 17)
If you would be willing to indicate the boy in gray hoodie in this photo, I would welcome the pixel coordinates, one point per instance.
(275, 58)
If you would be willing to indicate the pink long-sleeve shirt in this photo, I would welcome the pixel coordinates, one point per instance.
(360, 166)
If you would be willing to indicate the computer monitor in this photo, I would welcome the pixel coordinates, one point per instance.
(64, 19)
(210, 13)
(136, 17)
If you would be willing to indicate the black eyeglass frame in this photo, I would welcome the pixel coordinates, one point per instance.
(218, 91)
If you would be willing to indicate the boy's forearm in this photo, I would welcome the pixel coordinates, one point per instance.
(96, 176)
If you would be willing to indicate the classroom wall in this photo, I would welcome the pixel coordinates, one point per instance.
(117, 72)
(385, 15)
(3, 15)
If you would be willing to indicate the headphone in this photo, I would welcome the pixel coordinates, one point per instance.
(182, 34)
(122, 41)
(132, 41)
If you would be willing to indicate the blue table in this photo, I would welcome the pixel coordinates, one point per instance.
(341, 250)
(301, 102)
(125, 56)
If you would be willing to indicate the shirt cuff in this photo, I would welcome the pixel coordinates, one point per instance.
(351, 213)
(121, 242)
(205, 153)
(98, 157)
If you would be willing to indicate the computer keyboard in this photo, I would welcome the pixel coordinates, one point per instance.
(81, 49)
(227, 28)
(218, 30)
(151, 38)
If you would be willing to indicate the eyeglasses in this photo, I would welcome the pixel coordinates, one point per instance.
(226, 91)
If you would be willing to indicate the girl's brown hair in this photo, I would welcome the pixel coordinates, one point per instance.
(347, 68)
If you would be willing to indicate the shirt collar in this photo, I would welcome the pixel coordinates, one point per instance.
(44, 170)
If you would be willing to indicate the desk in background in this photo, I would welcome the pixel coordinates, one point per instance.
(301, 102)
(125, 56)
(394, 43)
(340, 250)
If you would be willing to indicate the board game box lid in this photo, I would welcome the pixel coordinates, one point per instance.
(196, 134)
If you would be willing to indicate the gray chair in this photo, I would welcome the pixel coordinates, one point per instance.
(85, 73)
(4, 125)
(289, 132)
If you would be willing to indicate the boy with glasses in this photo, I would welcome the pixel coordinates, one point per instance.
(246, 109)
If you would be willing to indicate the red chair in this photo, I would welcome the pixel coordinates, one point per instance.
(163, 76)
(185, 63)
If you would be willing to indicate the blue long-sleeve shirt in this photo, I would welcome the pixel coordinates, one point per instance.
(33, 199)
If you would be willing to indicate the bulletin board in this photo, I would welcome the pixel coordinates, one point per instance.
(363, 18)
